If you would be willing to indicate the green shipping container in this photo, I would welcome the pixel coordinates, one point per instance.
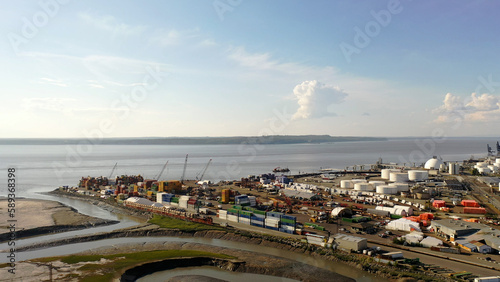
(259, 212)
(237, 207)
(175, 200)
(234, 211)
(394, 216)
(288, 220)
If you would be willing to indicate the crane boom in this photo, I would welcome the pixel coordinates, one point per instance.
(184, 170)
(113, 170)
(162, 170)
(205, 169)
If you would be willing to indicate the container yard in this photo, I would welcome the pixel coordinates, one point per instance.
(381, 204)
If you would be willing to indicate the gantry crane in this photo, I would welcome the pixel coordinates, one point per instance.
(204, 170)
(184, 171)
(161, 172)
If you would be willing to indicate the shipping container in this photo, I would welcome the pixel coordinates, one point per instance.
(258, 224)
(231, 217)
(272, 228)
(274, 214)
(474, 210)
(244, 220)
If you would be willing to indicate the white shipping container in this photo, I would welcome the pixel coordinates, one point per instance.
(233, 218)
(244, 220)
(276, 225)
(288, 227)
(223, 216)
(269, 221)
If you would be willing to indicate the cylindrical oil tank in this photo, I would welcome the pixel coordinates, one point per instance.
(346, 184)
(398, 177)
(363, 187)
(402, 187)
(418, 175)
(493, 168)
(376, 183)
(481, 164)
(387, 190)
(484, 170)
(385, 173)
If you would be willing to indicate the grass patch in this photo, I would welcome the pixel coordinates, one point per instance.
(3, 265)
(182, 225)
(120, 262)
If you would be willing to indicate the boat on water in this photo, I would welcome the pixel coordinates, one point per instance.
(279, 169)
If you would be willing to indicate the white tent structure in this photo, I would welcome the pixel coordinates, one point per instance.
(431, 242)
(403, 225)
(140, 201)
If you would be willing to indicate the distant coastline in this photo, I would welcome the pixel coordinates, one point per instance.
(271, 139)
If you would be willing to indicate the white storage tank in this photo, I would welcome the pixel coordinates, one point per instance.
(481, 165)
(346, 184)
(385, 173)
(398, 177)
(402, 187)
(453, 168)
(386, 190)
(418, 175)
(484, 170)
(376, 183)
(363, 187)
(493, 168)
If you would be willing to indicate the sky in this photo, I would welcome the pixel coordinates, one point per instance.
(82, 69)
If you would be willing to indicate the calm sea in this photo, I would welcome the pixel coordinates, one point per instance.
(45, 167)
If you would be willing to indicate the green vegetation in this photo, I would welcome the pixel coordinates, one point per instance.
(182, 225)
(119, 262)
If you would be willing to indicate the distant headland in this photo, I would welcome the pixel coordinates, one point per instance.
(270, 139)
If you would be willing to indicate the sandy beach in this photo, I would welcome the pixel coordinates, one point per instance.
(38, 217)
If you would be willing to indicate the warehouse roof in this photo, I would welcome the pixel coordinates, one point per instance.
(351, 238)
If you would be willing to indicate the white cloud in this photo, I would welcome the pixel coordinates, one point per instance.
(208, 42)
(484, 108)
(111, 24)
(56, 82)
(47, 104)
(169, 37)
(316, 99)
(263, 61)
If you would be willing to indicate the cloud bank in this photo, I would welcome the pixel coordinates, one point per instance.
(316, 99)
(476, 108)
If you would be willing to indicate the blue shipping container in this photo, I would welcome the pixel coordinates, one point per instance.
(272, 228)
(257, 224)
(289, 217)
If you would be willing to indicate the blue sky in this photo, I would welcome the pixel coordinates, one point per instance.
(246, 68)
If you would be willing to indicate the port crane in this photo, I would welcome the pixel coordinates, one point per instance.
(161, 172)
(184, 170)
(113, 170)
(204, 170)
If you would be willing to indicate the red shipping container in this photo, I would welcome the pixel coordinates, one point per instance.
(470, 203)
(475, 210)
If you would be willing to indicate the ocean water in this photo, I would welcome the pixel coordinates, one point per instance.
(45, 167)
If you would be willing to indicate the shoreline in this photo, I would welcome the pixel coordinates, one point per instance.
(51, 217)
(278, 242)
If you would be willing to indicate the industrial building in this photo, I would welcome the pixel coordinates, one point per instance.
(455, 228)
(350, 243)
